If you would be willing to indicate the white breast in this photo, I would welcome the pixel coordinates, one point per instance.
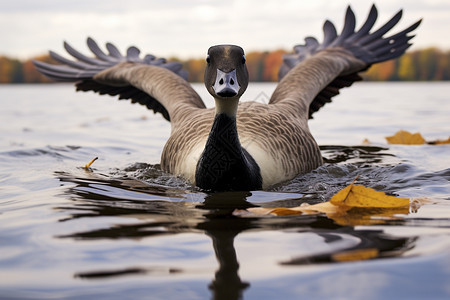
(187, 166)
(270, 168)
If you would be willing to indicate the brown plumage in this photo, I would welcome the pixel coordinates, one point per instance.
(238, 146)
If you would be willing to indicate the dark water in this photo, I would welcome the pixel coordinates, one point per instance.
(126, 230)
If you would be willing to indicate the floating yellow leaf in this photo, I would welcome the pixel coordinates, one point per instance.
(361, 196)
(355, 255)
(353, 205)
(406, 138)
(368, 216)
(88, 165)
(280, 211)
(314, 209)
(440, 142)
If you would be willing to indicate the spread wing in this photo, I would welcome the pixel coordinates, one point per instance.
(83, 70)
(366, 46)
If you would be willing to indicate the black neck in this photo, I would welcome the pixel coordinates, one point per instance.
(224, 164)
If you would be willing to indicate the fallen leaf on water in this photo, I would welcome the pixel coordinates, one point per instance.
(87, 166)
(325, 207)
(355, 255)
(440, 142)
(403, 137)
(353, 205)
(360, 196)
(366, 142)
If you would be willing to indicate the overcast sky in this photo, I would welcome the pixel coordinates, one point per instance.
(186, 28)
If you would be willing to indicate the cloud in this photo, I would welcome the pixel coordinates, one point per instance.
(188, 28)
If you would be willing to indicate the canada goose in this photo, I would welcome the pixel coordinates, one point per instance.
(238, 146)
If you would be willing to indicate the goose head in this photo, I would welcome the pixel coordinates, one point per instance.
(224, 164)
(226, 76)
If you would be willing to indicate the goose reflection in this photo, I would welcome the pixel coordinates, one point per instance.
(170, 214)
(222, 227)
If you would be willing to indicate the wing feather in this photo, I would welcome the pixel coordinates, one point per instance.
(369, 47)
(82, 69)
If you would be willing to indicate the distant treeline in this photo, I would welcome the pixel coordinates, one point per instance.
(420, 65)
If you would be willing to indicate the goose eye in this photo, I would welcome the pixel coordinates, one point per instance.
(243, 59)
(208, 60)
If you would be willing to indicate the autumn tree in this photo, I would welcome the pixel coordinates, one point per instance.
(443, 66)
(272, 63)
(446, 62)
(255, 65)
(425, 64)
(10, 70)
(406, 70)
(382, 71)
(30, 74)
(196, 69)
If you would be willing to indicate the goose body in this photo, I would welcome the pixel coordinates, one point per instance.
(238, 146)
(267, 143)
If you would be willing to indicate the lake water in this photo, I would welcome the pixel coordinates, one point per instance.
(126, 230)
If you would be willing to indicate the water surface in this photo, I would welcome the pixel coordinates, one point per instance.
(128, 230)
